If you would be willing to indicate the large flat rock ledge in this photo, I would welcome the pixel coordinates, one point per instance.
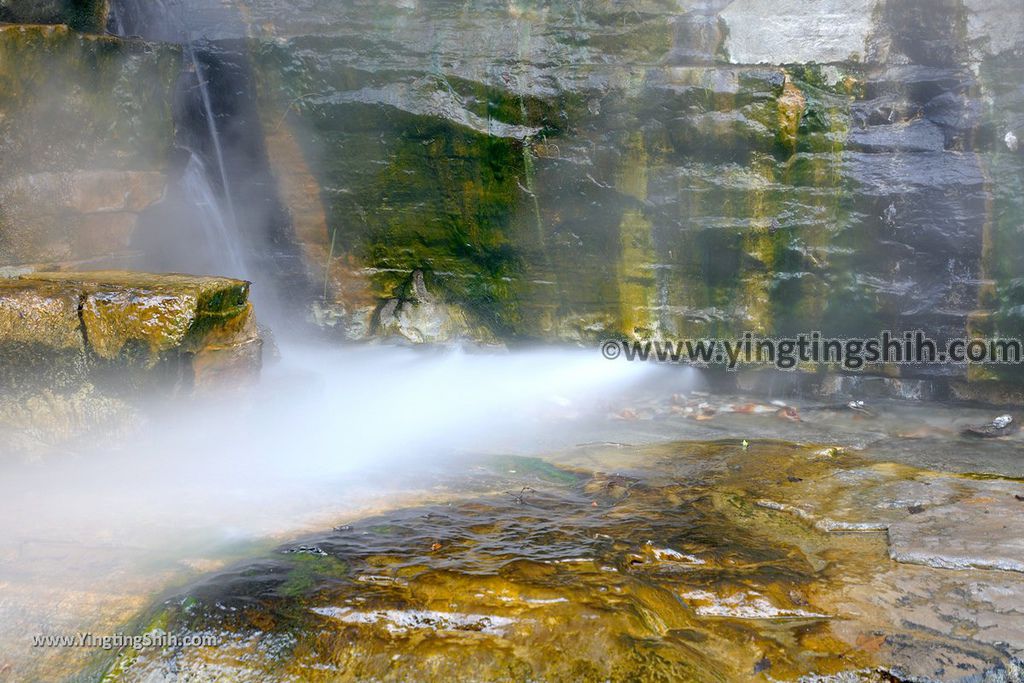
(61, 329)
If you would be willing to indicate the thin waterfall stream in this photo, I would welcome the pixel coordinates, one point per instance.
(223, 245)
(203, 86)
(219, 228)
(226, 197)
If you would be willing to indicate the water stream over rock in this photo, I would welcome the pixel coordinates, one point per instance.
(686, 560)
(224, 191)
(587, 507)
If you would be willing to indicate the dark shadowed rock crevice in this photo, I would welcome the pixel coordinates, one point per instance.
(222, 212)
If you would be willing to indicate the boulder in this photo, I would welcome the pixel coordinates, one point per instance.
(125, 327)
(84, 353)
(42, 313)
(420, 317)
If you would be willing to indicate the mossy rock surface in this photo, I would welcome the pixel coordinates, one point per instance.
(71, 101)
(41, 340)
(84, 15)
(144, 315)
(43, 313)
(125, 329)
(662, 171)
(81, 350)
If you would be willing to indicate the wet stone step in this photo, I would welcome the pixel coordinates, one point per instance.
(122, 326)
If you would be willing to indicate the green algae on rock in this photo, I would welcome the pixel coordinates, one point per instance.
(146, 316)
(670, 171)
(118, 320)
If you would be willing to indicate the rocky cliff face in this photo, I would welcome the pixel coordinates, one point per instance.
(564, 171)
(85, 128)
(567, 171)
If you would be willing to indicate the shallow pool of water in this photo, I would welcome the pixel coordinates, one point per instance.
(495, 510)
